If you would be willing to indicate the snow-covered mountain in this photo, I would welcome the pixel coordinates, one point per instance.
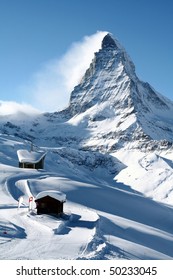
(118, 108)
(112, 107)
(110, 151)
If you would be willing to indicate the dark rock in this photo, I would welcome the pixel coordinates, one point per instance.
(108, 42)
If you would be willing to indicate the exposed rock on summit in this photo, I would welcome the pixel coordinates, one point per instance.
(108, 42)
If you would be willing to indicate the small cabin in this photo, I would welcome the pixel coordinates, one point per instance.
(50, 202)
(31, 159)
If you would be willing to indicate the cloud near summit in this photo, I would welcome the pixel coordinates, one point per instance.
(14, 108)
(50, 88)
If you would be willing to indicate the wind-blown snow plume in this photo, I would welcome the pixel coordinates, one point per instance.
(51, 87)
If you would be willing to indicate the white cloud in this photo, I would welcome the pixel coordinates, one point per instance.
(11, 108)
(50, 88)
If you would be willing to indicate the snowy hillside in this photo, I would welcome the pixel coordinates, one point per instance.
(110, 152)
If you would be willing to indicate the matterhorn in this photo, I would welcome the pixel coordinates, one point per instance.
(117, 107)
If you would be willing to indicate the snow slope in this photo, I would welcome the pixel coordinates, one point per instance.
(110, 152)
(103, 218)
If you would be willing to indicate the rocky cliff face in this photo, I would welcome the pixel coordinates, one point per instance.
(116, 106)
(106, 79)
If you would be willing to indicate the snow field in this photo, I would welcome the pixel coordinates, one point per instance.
(103, 218)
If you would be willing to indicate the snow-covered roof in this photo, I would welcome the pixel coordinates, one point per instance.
(30, 156)
(54, 194)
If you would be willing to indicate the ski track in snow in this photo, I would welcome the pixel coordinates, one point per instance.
(90, 230)
(41, 237)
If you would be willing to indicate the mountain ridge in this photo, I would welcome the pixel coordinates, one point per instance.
(111, 85)
(109, 109)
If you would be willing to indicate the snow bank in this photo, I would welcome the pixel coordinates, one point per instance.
(30, 156)
(54, 194)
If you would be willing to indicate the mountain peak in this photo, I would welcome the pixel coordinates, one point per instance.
(108, 78)
(108, 42)
(110, 89)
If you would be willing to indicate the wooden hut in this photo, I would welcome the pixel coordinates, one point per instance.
(31, 159)
(50, 202)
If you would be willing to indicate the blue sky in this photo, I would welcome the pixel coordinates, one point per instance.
(36, 34)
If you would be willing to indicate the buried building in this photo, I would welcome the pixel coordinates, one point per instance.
(50, 202)
(31, 159)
